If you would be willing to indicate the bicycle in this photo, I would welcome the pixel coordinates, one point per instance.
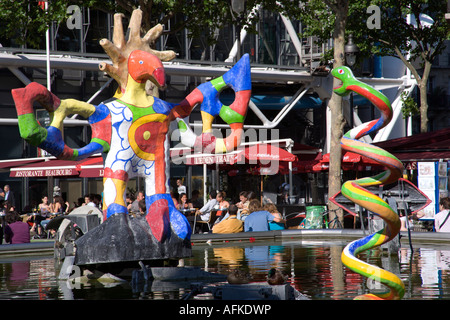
(335, 223)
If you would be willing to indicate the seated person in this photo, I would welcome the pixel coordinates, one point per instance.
(273, 225)
(258, 219)
(243, 205)
(142, 207)
(195, 200)
(223, 206)
(16, 231)
(183, 203)
(205, 212)
(229, 224)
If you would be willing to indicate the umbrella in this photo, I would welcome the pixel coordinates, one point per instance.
(263, 153)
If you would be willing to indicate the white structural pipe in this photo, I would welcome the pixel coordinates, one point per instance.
(242, 35)
(397, 104)
(179, 68)
(293, 35)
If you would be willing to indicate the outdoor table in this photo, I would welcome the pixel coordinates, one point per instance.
(187, 211)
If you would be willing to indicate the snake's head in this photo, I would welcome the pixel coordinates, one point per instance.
(143, 66)
(345, 75)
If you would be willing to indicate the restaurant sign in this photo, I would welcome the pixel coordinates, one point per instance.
(28, 173)
(211, 159)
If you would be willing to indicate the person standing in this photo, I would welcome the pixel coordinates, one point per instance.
(180, 187)
(442, 219)
(9, 196)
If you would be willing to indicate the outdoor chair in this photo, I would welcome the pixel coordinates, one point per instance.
(209, 222)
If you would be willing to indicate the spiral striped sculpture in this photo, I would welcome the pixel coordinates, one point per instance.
(355, 191)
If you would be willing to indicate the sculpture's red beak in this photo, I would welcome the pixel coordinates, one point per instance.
(160, 77)
(143, 66)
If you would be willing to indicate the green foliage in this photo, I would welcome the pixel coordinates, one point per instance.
(423, 42)
(409, 107)
(318, 20)
(26, 21)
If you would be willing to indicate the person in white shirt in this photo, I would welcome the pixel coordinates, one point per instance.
(442, 219)
(181, 189)
(89, 200)
(205, 211)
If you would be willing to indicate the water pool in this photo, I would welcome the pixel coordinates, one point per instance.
(314, 268)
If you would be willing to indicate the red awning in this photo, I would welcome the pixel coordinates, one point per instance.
(304, 163)
(91, 167)
(351, 157)
(6, 164)
(428, 146)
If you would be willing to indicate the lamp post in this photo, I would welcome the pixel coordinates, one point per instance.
(238, 7)
(351, 50)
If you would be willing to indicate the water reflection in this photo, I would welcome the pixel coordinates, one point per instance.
(314, 269)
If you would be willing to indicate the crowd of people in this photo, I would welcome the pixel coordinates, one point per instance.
(218, 213)
(21, 228)
(223, 216)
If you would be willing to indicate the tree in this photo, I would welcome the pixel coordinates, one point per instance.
(415, 42)
(27, 22)
(340, 9)
(328, 19)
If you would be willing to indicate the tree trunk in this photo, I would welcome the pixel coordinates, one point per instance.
(337, 117)
(423, 98)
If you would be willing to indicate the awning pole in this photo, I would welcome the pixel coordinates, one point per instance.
(47, 52)
(291, 187)
(204, 183)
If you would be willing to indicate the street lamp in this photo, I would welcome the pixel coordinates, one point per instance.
(238, 7)
(350, 50)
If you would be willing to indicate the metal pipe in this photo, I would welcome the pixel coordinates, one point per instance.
(294, 37)
(269, 74)
(20, 75)
(242, 35)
